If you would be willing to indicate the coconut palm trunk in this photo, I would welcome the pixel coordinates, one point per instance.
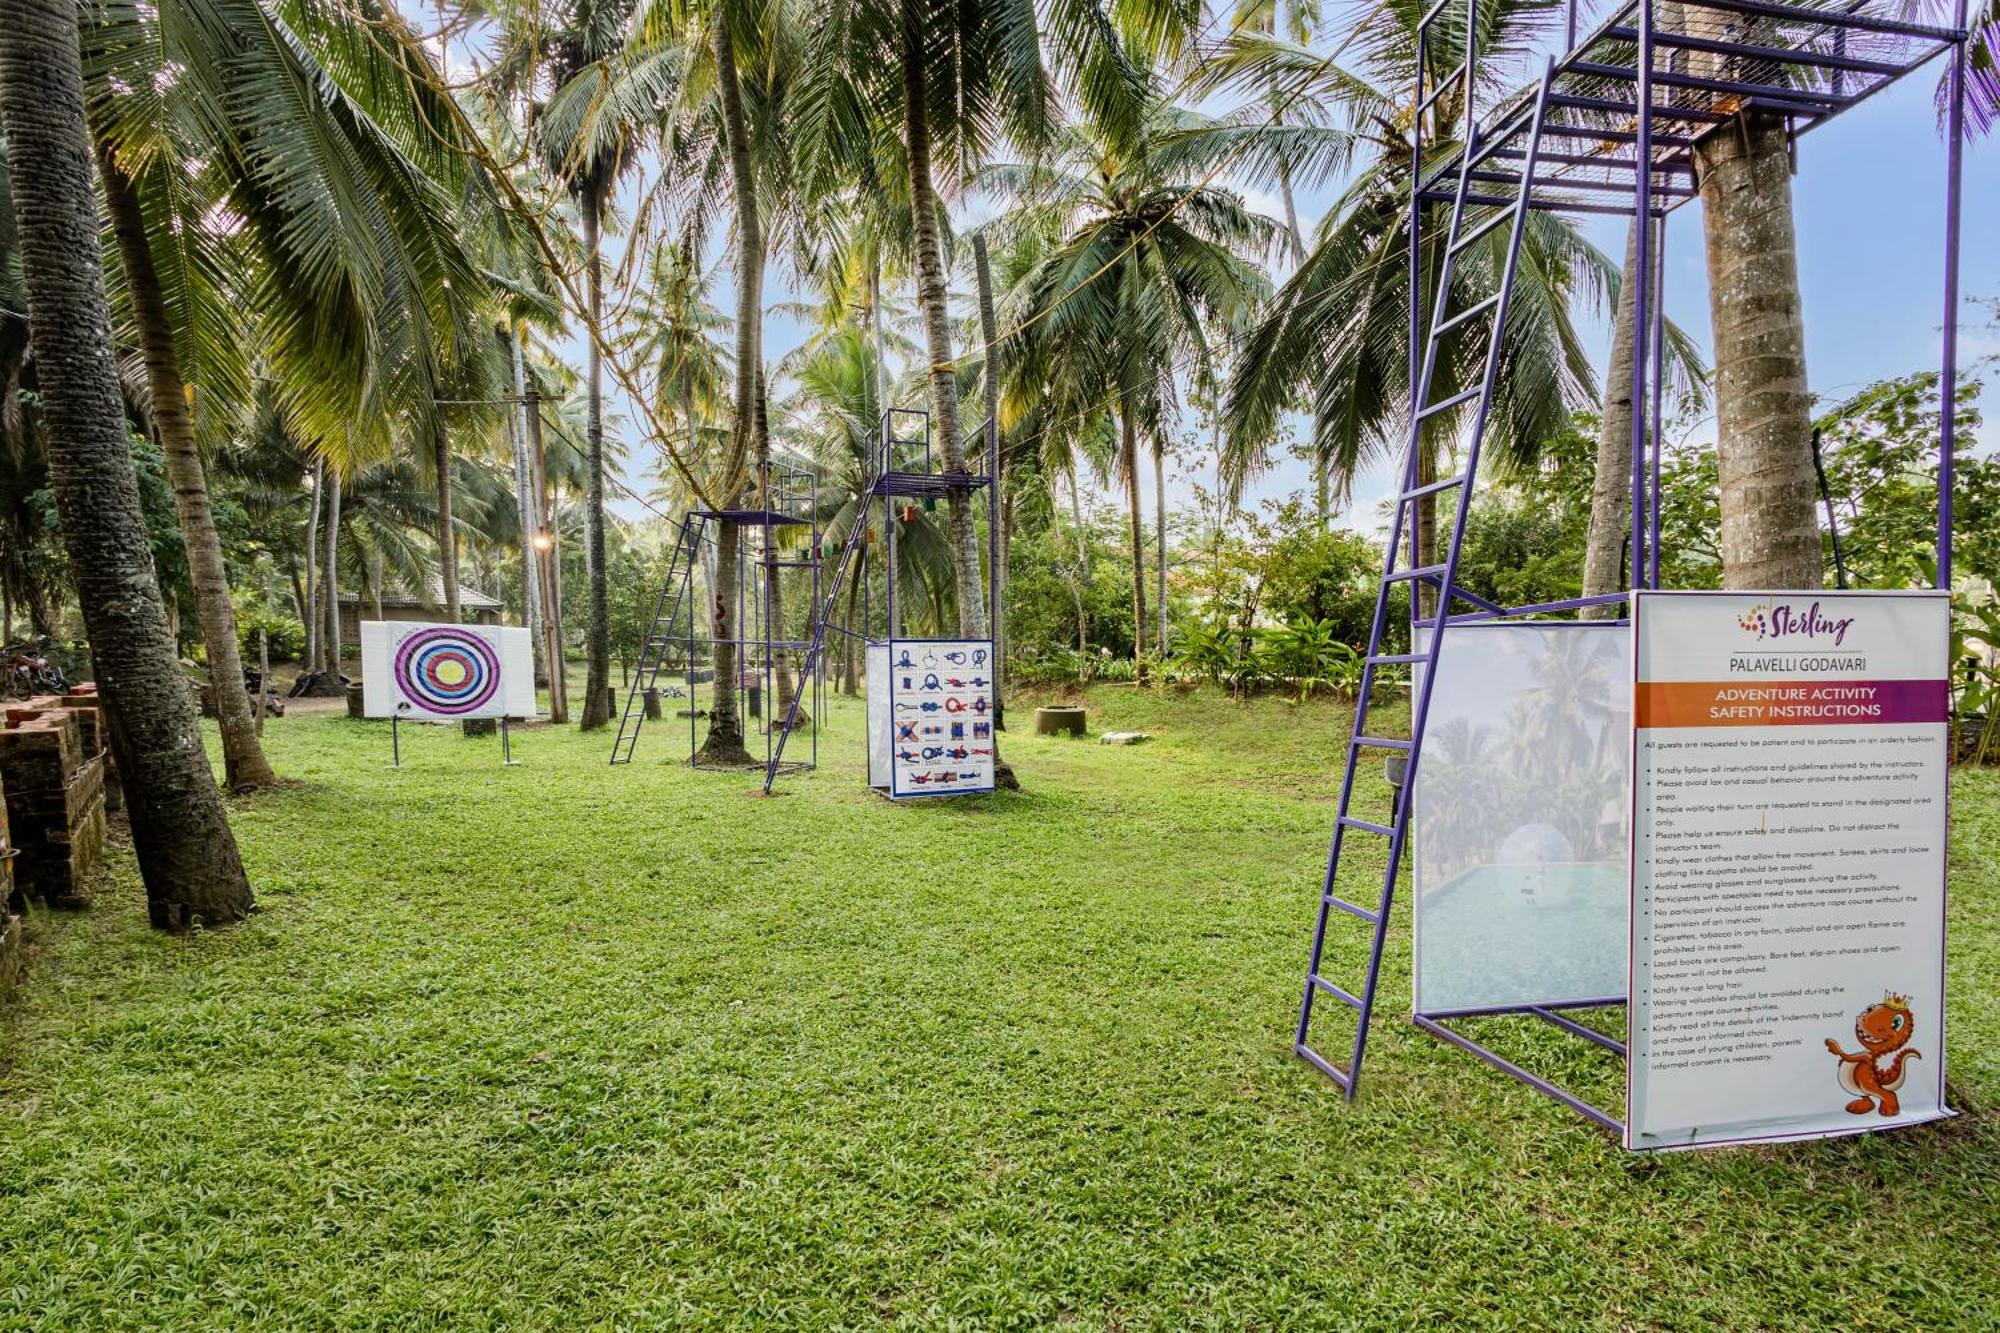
(996, 466)
(186, 852)
(931, 300)
(1770, 530)
(243, 761)
(447, 535)
(333, 572)
(1128, 463)
(1611, 489)
(597, 627)
(774, 585)
(724, 743)
(1160, 540)
(309, 606)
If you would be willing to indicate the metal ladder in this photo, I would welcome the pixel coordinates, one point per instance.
(1512, 212)
(652, 654)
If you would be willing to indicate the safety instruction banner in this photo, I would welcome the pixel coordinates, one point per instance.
(1790, 762)
(941, 716)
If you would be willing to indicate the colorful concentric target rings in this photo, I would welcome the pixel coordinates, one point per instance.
(447, 672)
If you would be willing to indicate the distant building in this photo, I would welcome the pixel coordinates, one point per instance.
(401, 604)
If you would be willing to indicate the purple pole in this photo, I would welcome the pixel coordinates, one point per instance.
(1658, 386)
(1642, 236)
(1948, 370)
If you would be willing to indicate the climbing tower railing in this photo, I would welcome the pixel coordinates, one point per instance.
(1610, 126)
(900, 472)
(777, 537)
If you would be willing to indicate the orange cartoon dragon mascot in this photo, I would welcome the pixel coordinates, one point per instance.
(1883, 1030)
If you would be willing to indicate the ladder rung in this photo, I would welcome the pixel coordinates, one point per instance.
(1324, 1066)
(1661, 166)
(1352, 909)
(1832, 18)
(1388, 742)
(1669, 79)
(1393, 659)
(1480, 231)
(1352, 1000)
(1612, 106)
(1660, 140)
(1432, 487)
(1367, 827)
(1430, 15)
(1582, 183)
(1798, 55)
(1464, 396)
(1414, 572)
(1471, 312)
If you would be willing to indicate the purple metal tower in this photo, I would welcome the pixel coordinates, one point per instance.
(901, 467)
(1609, 127)
(779, 533)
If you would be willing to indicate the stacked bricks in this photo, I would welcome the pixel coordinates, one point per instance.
(88, 705)
(52, 772)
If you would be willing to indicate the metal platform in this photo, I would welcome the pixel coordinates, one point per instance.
(1711, 61)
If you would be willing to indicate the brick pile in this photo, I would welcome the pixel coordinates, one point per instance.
(53, 767)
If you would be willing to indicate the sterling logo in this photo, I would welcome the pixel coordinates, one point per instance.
(1782, 620)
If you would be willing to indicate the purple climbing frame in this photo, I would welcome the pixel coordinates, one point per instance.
(1609, 127)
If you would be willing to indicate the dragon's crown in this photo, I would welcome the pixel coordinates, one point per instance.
(1893, 1000)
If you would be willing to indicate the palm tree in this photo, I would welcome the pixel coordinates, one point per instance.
(187, 853)
(1338, 329)
(609, 82)
(834, 418)
(1763, 411)
(1150, 263)
(946, 81)
(260, 157)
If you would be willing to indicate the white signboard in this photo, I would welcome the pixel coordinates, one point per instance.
(1788, 865)
(940, 701)
(1519, 824)
(445, 673)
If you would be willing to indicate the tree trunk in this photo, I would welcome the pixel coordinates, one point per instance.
(875, 334)
(597, 629)
(1611, 487)
(187, 854)
(1294, 238)
(309, 612)
(1160, 538)
(1770, 531)
(1128, 459)
(996, 466)
(724, 743)
(447, 535)
(547, 561)
(774, 582)
(525, 500)
(932, 300)
(243, 761)
(332, 579)
(851, 682)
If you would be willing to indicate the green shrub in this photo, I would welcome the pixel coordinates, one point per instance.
(287, 634)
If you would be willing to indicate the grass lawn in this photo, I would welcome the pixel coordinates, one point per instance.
(568, 1045)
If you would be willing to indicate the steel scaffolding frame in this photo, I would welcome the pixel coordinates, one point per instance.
(1624, 107)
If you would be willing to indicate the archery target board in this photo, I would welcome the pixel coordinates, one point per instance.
(445, 673)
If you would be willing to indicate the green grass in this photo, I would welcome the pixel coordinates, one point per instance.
(568, 1045)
